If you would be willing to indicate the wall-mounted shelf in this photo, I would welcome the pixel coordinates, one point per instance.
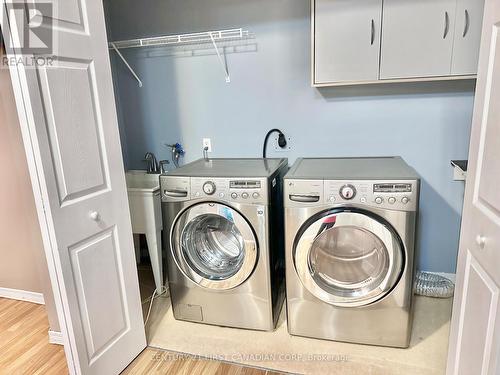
(180, 39)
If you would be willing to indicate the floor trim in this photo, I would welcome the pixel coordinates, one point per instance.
(22, 295)
(55, 337)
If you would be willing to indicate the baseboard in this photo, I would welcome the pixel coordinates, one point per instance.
(55, 337)
(22, 295)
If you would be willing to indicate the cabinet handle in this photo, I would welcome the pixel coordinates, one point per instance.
(372, 38)
(467, 23)
(446, 24)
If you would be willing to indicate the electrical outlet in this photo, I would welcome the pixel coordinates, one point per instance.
(288, 146)
(207, 143)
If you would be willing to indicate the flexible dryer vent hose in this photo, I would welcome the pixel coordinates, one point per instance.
(432, 285)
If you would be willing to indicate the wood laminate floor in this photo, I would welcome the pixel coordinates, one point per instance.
(24, 342)
(25, 349)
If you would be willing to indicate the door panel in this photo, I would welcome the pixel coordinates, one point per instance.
(71, 124)
(95, 262)
(417, 38)
(77, 149)
(67, 14)
(467, 36)
(488, 199)
(478, 318)
(346, 40)
(475, 326)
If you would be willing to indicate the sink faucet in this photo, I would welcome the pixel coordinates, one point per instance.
(153, 167)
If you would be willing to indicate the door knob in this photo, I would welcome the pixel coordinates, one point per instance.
(481, 241)
(94, 215)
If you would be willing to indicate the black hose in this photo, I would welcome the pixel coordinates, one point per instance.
(282, 140)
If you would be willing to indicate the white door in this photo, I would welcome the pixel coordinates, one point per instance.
(346, 40)
(417, 38)
(467, 36)
(68, 110)
(475, 327)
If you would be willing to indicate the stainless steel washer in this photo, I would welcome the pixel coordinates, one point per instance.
(223, 225)
(350, 240)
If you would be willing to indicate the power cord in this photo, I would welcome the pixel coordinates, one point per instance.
(163, 290)
(281, 140)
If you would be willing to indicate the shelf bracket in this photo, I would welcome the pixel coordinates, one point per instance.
(221, 60)
(126, 64)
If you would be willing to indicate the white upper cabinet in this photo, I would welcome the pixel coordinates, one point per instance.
(346, 46)
(370, 41)
(417, 38)
(468, 24)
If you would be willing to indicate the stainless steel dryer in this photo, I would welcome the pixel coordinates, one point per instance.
(350, 243)
(223, 224)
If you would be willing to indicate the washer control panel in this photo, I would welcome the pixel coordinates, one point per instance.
(229, 189)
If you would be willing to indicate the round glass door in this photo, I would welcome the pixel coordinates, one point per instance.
(348, 258)
(214, 246)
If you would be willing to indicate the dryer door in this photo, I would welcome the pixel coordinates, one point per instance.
(348, 257)
(214, 245)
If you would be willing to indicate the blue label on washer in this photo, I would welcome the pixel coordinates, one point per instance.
(226, 212)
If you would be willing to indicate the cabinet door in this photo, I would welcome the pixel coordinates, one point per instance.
(346, 40)
(417, 39)
(467, 36)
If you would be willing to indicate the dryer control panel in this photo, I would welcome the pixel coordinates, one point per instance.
(395, 195)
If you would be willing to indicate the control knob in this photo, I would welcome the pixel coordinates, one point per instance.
(405, 200)
(392, 200)
(348, 192)
(379, 200)
(209, 188)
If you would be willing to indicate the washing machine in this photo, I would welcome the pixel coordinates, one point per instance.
(350, 228)
(223, 226)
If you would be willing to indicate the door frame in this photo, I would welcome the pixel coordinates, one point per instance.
(40, 193)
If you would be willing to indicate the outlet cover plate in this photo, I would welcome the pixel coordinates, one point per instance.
(207, 142)
(288, 147)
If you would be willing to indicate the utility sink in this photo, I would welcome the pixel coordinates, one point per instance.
(145, 213)
(141, 181)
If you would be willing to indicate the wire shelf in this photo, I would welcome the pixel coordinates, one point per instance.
(193, 38)
(181, 39)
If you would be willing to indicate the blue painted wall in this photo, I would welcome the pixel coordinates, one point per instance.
(185, 98)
